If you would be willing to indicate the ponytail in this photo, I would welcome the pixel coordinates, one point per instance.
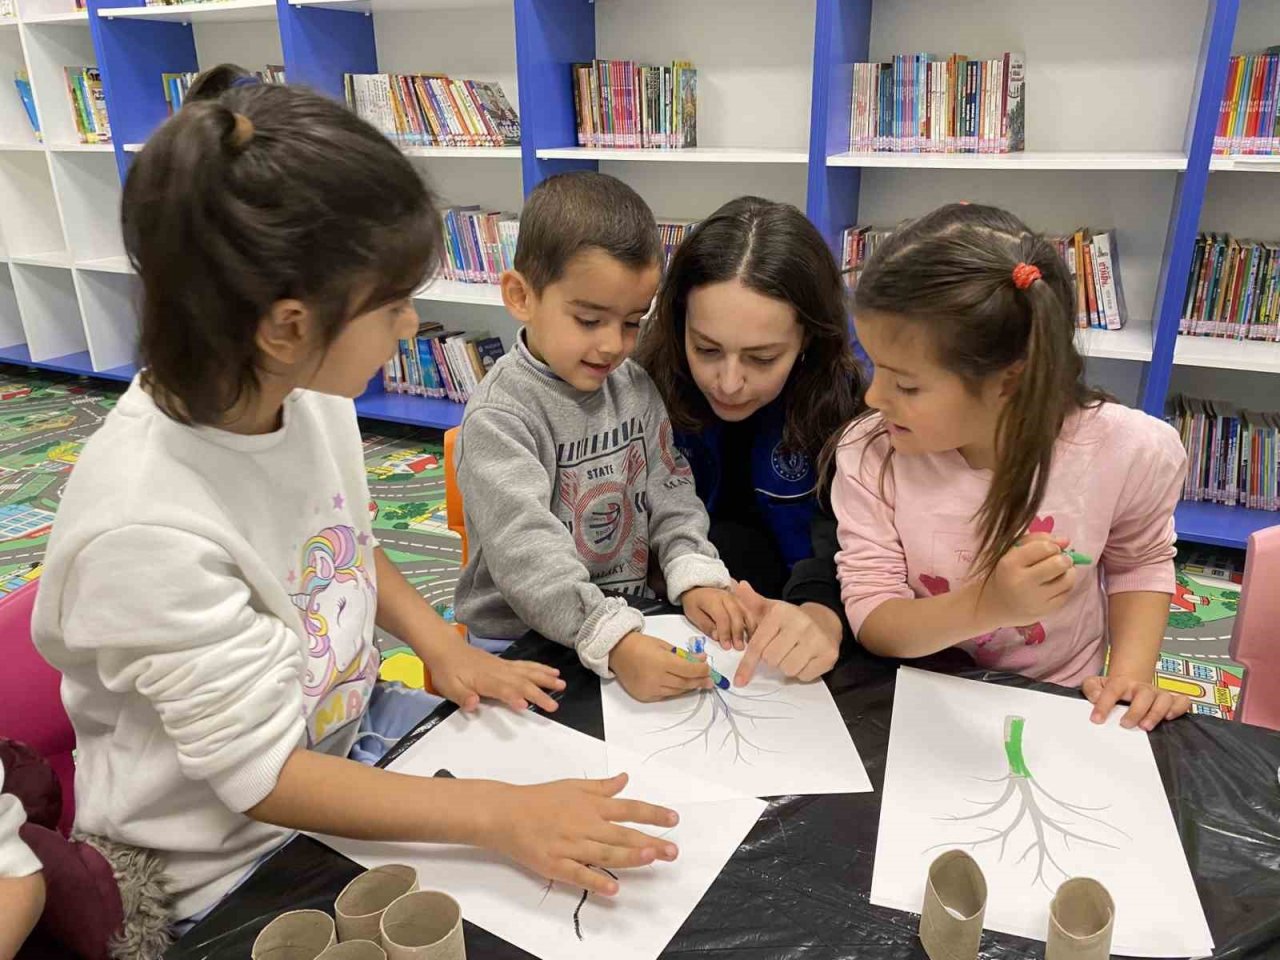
(1029, 426)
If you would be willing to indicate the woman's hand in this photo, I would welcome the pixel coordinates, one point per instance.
(801, 642)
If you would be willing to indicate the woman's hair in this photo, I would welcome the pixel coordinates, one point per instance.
(773, 249)
(952, 273)
(253, 193)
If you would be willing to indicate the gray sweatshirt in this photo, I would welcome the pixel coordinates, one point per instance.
(565, 493)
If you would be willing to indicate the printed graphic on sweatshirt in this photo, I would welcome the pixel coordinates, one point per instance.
(336, 602)
(600, 498)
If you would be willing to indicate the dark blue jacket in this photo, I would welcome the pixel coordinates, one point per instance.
(785, 483)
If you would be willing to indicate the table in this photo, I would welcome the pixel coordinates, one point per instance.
(798, 886)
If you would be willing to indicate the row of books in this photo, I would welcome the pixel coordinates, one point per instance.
(671, 234)
(479, 244)
(1233, 290)
(621, 103)
(431, 109)
(176, 85)
(1224, 563)
(1233, 455)
(1249, 114)
(88, 104)
(857, 244)
(441, 363)
(918, 103)
(23, 83)
(1093, 260)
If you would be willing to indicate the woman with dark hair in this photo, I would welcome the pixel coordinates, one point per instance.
(750, 349)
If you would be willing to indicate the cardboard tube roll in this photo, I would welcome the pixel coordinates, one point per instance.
(360, 905)
(1082, 918)
(423, 925)
(299, 935)
(354, 950)
(955, 901)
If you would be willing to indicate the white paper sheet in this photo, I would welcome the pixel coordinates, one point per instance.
(770, 738)
(518, 906)
(951, 783)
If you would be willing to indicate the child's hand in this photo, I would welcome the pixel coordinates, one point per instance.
(1148, 704)
(1030, 581)
(786, 638)
(464, 674)
(648, 670)
(563, 829)
(718, 614)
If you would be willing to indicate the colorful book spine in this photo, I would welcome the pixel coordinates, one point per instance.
(417, 110)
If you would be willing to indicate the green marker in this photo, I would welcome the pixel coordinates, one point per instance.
(1078, 559)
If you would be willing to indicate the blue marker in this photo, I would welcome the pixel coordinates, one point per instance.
(716, 678)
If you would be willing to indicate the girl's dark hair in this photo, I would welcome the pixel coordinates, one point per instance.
(250, 194)
(773, 249)
(951, 272)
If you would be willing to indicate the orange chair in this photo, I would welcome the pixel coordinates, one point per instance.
(452, 495)
(1255, 638)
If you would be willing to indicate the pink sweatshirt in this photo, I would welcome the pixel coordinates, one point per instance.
(1115, 479)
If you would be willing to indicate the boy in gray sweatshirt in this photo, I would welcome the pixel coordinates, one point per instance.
(568, 473)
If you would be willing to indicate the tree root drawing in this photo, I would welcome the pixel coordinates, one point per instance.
(577, 911)
(1028, 802)
(732, 711)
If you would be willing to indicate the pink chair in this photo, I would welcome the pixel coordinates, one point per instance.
(30, 697)
(1255, 640)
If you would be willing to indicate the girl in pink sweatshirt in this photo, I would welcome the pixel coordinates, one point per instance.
(990, 500)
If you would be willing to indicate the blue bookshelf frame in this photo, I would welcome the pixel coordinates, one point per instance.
(320, 45)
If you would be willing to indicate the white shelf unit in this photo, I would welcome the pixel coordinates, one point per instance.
(1104, 132)
(223, 11)
(687, 155)
(419, 36)
(59, 207)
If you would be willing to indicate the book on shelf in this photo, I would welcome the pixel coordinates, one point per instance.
(1233, 455)
(431, 109)
(622, 103)
(479, 244)
(1249, 113)
(857, 244)
(23, 83)
(440, 363)
(1233, 289)
(88, 104)
(671, 234)
(919, 103)
(176, 85)
(1093, 263)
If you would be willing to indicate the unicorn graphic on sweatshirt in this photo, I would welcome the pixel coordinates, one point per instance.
(337, 601)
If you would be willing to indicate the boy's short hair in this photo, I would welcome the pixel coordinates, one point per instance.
(572, 212)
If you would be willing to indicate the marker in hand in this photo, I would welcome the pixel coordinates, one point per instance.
(1078, 559)
(717, 678)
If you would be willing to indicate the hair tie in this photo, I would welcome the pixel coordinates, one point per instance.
(1025, 274)
(242, 133)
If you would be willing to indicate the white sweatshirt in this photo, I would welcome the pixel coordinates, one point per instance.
(16, 858)
(209, 598)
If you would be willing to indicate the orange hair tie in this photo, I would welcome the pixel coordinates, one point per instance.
(1025, 274)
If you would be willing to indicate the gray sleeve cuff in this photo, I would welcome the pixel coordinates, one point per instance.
(608, 623)
(691, 570)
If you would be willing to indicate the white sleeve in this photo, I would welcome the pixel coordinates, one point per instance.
(168, 615)
(16, 858)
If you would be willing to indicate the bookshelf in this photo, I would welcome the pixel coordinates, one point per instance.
(1119, 128)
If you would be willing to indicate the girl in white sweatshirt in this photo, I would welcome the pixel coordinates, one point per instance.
(213, 579)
